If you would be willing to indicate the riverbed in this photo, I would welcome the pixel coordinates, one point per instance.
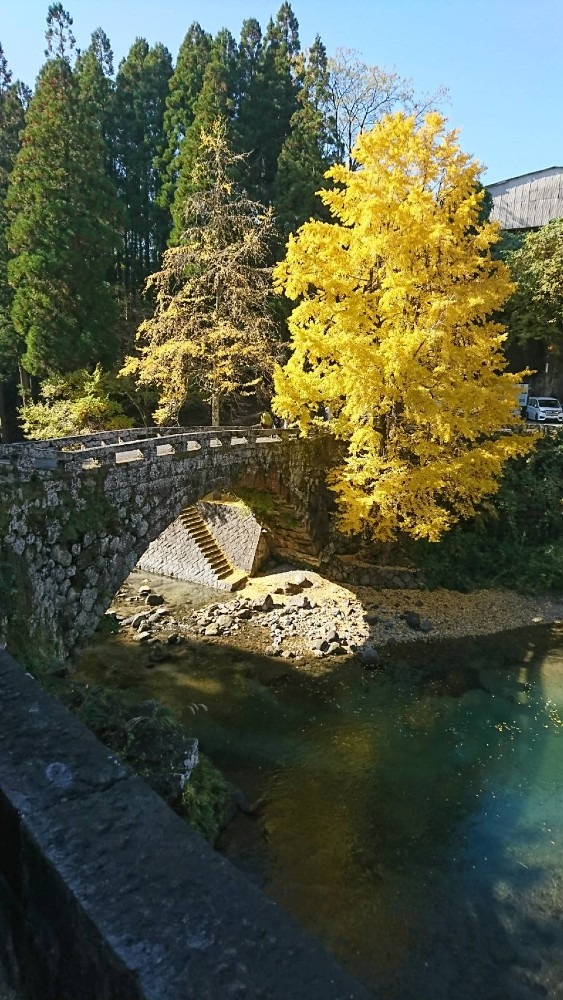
(410, 817)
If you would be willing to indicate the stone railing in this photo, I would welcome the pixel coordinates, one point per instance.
(93, 451)
(106, 894)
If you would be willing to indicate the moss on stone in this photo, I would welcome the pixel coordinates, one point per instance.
(149, 740)
(207, 800)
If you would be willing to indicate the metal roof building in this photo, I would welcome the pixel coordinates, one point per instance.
(528, 201)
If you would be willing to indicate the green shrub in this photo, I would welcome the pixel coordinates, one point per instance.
(517, 538)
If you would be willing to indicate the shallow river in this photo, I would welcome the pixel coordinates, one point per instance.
(412, 819)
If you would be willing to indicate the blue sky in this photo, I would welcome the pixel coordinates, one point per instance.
(501, 60)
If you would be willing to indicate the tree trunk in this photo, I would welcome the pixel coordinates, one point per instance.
(9, 402)
(215, 410)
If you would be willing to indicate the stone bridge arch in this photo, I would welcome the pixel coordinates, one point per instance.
(77, 514)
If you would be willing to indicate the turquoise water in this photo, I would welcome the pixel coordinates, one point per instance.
(412, 819)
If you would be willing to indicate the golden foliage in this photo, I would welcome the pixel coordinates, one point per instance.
(393, 333)
(211, 331)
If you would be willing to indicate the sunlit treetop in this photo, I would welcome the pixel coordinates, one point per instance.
(394, 332)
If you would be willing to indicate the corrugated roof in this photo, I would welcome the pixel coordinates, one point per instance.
(529, 200)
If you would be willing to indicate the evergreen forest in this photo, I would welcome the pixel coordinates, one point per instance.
(97, 167)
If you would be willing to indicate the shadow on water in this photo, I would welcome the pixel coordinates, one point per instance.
(410, 818)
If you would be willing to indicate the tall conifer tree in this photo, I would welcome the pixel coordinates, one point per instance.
(141, 90)
(183, 90)
(216, 101)
(269, 100)
(94, 69)
(308, 149)
(62, 222)
(13, 100)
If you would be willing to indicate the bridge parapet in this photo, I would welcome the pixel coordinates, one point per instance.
(149, 448)
(75, 521)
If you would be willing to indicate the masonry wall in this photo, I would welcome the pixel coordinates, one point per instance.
(174, 553)
(106, 894)
(74, 524)
(237, 531)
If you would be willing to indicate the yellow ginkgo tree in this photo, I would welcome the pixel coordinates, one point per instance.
(212, 331)
(394, 334)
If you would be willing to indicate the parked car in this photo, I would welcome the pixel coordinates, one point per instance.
(542, 408)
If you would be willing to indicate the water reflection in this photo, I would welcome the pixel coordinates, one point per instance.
(411, 819)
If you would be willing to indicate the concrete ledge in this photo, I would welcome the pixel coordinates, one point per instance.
(105, 894)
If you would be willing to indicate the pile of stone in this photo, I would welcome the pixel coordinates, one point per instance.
(146, 623)
(297, 623)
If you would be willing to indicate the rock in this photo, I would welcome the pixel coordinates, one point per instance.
(224, 621)
(301, 601)
(153, 599)
(372, 619)
(174, 639)
(143, 591)
(263, 603)
(320, 645)
(332, 636)
(288, 654)
(369, 657)
(211, 630)
(335, 649)
(425, 625)
(60, 555)
(412, 619)
(243, 615)
(137, 620)
(158, 654)
(143, 636)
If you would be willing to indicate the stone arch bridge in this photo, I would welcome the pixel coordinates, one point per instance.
(77, 514)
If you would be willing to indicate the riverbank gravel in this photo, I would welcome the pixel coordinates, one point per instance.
(303, 616)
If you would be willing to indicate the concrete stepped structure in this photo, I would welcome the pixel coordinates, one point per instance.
(228, 577)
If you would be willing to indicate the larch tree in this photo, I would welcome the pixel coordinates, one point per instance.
(212, 331)
(393, 333)
(62, 212)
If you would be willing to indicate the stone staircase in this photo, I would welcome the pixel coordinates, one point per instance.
(227, 577)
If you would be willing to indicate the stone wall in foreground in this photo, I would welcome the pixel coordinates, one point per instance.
(106, 894)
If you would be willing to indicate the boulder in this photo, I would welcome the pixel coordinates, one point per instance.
(412, 619)
(224, 621)
(137, 620)
(369, 657)
(299, 601)
(335, 649)
(154, 599)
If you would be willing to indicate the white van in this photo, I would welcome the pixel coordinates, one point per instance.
(542, 408)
